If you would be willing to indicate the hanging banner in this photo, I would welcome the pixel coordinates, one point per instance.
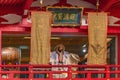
(40, 37)
(97, 33)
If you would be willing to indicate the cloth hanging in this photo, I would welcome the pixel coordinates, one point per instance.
(97, 33)
(40, 37)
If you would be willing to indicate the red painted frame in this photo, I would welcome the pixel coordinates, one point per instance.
(105, 70)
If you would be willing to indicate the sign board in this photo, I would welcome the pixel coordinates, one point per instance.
(66, 16)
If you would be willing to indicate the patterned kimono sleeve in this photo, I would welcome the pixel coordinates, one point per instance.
(51, 59)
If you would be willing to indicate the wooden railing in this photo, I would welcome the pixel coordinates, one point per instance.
(73, 72)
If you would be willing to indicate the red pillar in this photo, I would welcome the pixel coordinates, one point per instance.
(118, 52)
(118, 49)
(0, 47)
(0, 50)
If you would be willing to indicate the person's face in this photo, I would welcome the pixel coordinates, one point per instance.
(60, 49)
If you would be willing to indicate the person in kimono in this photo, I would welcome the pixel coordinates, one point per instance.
(61, 57)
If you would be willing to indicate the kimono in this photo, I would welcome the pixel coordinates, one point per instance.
(54, 60)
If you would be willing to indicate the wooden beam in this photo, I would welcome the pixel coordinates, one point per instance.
(62, 1)
(109, 4)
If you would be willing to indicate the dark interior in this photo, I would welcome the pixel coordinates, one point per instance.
(77, 44)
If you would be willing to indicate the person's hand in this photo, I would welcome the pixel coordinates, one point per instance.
(86, 55)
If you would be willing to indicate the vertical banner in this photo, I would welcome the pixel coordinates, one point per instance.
(97, 35)
(40, 37)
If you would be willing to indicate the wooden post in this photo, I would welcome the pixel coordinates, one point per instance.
(30, 72)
